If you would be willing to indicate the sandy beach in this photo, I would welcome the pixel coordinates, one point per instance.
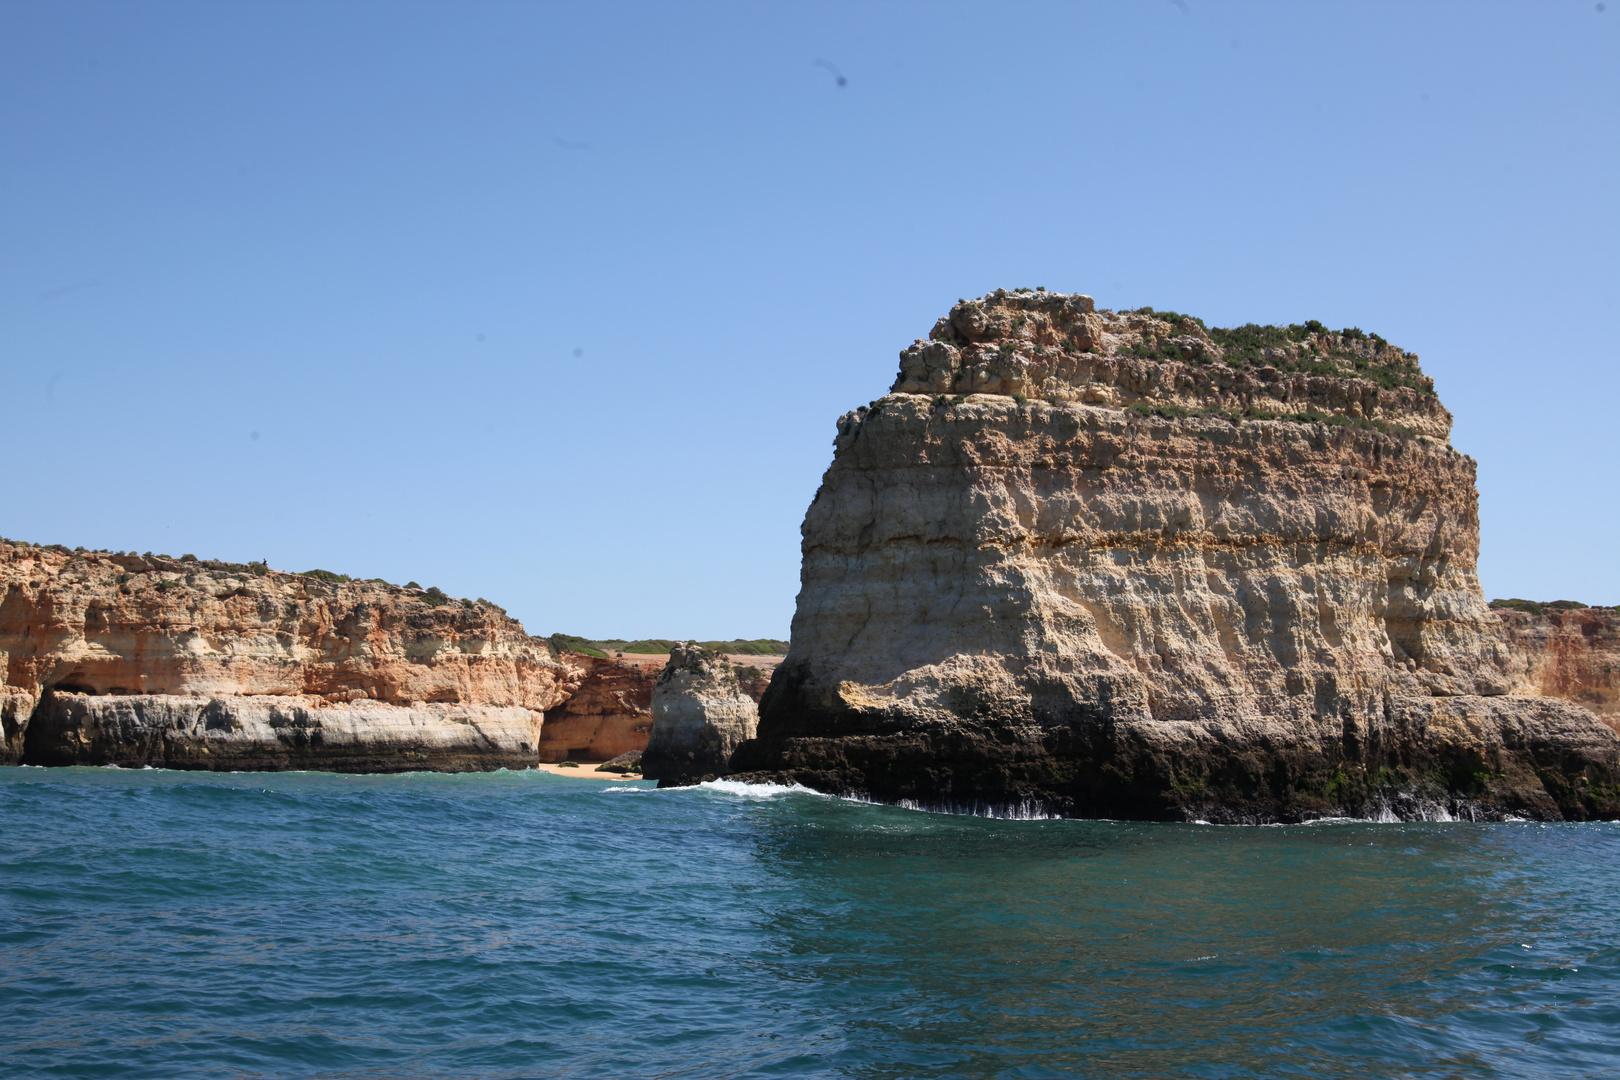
(586, 771)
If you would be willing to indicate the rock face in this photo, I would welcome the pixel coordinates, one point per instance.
(271, 732)
(608, 716)
(700, 716)
(227, 662)
(15, 709)
(1121, 564)
(1572, 653)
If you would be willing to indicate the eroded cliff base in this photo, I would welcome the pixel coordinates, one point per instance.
(1467, 757)
(272, 733)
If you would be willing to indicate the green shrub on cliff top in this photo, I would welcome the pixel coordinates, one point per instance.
(1532, 607)
(662, 646)
(571, 643)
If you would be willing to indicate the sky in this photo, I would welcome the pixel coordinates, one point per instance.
(558, 305)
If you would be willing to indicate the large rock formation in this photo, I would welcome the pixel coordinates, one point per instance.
(608, 715)
(1121, 564)
(126, 659)
(701, 714)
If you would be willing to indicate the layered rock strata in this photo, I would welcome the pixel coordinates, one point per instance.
(701, 714)
(274, 732)
(126, 659)
(1121, 564)
(1571, 653)
(609, 715)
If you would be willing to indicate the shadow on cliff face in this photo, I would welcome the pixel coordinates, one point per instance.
(1420, 759)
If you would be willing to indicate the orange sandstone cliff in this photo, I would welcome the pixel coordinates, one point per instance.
(608, 715)
(1571, 653)
(136, 660)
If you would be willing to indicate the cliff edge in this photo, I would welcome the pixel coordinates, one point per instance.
(1123, 564)
(144, 660)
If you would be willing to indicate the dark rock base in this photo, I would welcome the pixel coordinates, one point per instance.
(1480, 758)
(261, 735)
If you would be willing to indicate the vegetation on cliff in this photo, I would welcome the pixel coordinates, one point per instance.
(1059, 348)
(662, 646)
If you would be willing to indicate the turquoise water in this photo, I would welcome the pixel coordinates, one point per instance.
(163, 924)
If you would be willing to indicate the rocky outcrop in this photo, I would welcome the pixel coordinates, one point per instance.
(1570, 652)
(16, 707)
(609, 715)
(134, 659)
(272, 732)
(700, 716)
(1121, 564)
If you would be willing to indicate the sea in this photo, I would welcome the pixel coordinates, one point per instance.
(520, 924)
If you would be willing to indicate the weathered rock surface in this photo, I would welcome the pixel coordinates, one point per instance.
(271, 732)
(700, 716)
(316, 671)
(1572, 654)
(609, 715)
(15, 709)
(1151, 569)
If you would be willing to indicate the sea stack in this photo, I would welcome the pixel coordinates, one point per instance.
(701, 714)
(1121, 564)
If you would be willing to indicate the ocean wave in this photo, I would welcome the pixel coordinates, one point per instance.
(756, 791)
(1023, 810)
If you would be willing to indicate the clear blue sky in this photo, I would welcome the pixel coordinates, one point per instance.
(558, 304)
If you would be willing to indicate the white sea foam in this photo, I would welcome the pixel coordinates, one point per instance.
(755, 791)
(1026, 810)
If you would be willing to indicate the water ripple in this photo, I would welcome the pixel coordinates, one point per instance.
(160, 924)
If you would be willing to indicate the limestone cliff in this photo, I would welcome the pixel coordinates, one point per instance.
(1122, 564)
(128, 659)
(1568, 652)
(700, 715)
(269, 732)
(608, 715)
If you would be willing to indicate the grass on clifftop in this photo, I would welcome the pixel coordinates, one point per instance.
(1532, 607)
(659, 646)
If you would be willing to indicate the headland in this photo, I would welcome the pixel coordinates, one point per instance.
(1121, 564)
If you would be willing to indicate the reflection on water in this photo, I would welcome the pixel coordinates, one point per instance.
(515, 925)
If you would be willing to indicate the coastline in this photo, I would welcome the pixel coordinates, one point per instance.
(586, 771)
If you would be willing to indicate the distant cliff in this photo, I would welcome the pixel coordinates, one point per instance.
(129, 659)
(1123, 564)
(1567, 651)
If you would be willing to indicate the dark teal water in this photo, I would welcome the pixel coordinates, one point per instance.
(161, 924)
